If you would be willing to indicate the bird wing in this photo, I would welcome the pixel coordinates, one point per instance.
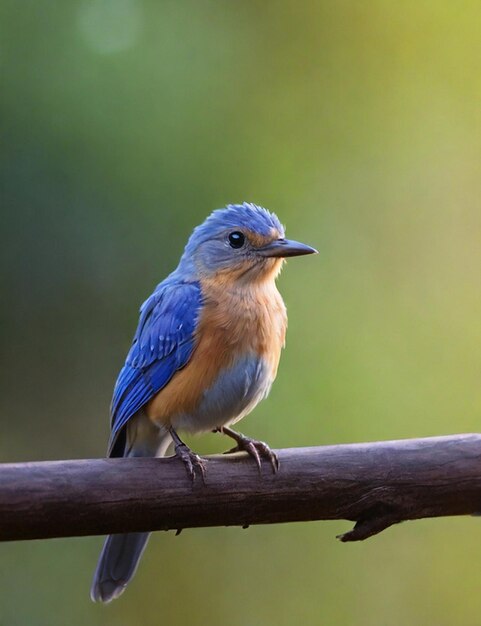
(163, 343)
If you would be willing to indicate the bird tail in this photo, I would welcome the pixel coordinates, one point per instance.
(121, 554)
(117, 564)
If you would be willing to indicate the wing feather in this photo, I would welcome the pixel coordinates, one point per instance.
(162, 344)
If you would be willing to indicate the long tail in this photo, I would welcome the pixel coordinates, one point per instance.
(121, 554)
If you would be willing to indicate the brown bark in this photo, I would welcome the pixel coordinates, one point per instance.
(373, 484)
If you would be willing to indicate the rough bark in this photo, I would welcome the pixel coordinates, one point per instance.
(375, 485)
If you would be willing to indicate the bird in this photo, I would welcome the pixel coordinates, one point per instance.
(205, 353)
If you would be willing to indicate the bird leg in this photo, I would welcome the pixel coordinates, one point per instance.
(190, 459)
(254, 448)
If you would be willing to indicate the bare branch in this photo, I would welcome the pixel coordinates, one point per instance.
(374, 484)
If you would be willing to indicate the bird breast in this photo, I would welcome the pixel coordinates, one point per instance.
(239, 338)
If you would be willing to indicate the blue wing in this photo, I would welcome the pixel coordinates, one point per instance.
(163, 343)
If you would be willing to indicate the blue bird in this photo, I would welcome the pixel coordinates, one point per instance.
(205, 352)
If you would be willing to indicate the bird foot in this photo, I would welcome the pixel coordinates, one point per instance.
(257, 450)
(192, 462)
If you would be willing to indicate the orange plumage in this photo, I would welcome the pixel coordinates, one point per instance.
(237, 319)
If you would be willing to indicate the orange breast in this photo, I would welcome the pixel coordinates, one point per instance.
(235, 321)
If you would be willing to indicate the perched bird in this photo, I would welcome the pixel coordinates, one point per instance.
(205, 352)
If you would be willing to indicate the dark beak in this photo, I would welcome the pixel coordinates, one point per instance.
(286, 247)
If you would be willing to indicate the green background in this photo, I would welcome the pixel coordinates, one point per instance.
(123, 123)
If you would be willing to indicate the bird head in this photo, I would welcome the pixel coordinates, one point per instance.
(240, 242)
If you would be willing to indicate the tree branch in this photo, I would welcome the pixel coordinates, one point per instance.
(374, 484)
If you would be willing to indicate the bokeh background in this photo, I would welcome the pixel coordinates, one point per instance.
(123, 123)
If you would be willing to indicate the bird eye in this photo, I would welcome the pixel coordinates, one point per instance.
(236, 239)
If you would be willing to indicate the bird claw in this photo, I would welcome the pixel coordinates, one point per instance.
(191, 461)
(257, 450)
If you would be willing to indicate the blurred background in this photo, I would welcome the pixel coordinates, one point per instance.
(123, 124)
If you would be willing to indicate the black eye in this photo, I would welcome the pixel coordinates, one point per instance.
(236, 239)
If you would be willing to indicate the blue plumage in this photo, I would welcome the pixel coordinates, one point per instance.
(246, 215)
(164, 341)
(162, 344)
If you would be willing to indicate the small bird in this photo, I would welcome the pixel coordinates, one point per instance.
(205, 352)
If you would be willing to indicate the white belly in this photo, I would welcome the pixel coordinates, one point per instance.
(233, 395)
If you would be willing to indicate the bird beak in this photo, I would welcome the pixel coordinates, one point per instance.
(286, 247)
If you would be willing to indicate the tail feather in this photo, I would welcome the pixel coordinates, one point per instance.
(117, 564)
(121, 554)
